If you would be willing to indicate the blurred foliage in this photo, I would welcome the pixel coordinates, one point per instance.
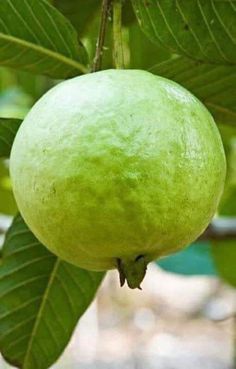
(19, 90)
(7, 202)
(8, 130)
(224, 256)
(80, 12)
(224, 252)
(14, 103)
(196, 259)
(32, 85)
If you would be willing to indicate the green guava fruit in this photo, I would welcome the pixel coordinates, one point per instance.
(117, 168)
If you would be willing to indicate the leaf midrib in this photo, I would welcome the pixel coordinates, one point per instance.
(60, 57)
(40, 312)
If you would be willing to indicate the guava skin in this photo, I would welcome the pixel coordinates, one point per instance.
(117, 164)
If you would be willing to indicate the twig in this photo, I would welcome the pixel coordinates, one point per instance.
(118, 52)
(97, 62)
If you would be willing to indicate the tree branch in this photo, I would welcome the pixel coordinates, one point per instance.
(97, 62)
(118, 52)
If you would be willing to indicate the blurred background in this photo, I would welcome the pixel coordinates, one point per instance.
(185, 315)
(175, 322)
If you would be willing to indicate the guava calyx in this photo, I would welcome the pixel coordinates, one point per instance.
(132, 270)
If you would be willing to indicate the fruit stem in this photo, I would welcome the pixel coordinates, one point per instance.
(118, 52)
(132, 271)
(97, 62)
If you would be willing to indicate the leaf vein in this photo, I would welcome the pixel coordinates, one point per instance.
(22, 306)
(25, 265)
(211, 33)
(40, 312)
(24, 283)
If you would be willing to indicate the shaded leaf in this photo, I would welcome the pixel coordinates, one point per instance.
(224, 256)
(214, 85)
(42, 299)
(34, 36)
(8, 129)
(227, 206)
(143, 53)
(196, 259)
(224, 252)
(198, 29)
(7, 201)
(79, 12)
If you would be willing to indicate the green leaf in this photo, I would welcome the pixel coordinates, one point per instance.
(196, 259)
(224, 256)
(42, 299)
(143, 53)
(224, 252)
(7, 201)
(36, 37)
(8, 129)
(201, 30)
(214, 85)
(79, 12)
